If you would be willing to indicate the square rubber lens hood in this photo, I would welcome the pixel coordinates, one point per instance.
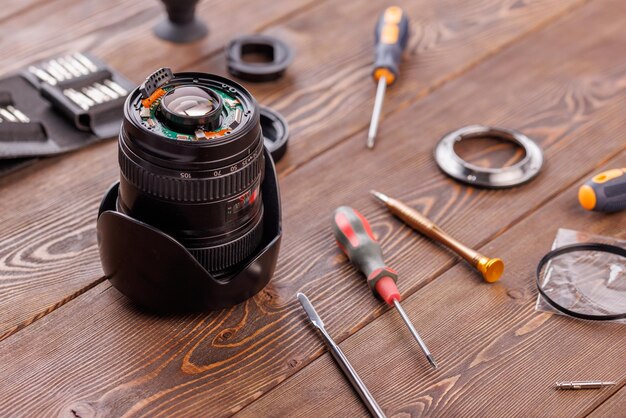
(158, 273)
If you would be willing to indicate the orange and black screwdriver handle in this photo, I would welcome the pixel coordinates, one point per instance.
(605, 192)
(391, 37)
(355, 238)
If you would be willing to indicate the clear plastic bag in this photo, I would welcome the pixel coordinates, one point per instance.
(589, 282)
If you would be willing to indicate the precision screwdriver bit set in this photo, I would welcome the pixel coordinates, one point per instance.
(58, 105)
(96, 93)
(11, 114)
(75, 66)
(63, 68)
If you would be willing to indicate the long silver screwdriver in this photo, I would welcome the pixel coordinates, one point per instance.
(341, 359)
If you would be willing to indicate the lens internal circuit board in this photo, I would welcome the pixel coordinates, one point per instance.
(232, 115)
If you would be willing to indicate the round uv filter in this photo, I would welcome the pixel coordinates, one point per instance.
(585, 280)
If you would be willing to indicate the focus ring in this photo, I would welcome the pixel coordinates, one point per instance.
(221, 257)
(193, 189)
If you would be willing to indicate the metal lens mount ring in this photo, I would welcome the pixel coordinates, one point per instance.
(457, 168)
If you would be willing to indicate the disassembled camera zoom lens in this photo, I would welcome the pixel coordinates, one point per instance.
(276, 54)
(191, 158)
(521, 172)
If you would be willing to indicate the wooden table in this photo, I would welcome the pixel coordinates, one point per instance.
(74, 346)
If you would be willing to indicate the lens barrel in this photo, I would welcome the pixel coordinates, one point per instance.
(191, 160)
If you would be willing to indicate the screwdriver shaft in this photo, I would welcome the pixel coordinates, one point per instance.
(352, 376)
(378, 107)
(585, 384)
(355, 238)
(419, 340)
(341, 359)
(490, 268)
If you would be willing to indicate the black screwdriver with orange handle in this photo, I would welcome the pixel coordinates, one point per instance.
(604, 192)
(355, 238)
(390, 40)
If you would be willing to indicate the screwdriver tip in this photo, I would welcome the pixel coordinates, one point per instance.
(380, 196)
(431, 360)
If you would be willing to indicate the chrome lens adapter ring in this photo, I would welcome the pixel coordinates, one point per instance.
(454, 166)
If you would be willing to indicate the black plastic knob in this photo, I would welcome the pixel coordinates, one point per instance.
(181, 25)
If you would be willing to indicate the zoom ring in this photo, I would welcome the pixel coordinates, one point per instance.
(221, 257)
(193, 189)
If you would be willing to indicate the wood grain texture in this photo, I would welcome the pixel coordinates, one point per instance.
(11, 10)
(330, 95)
(120, 32)
(107, 358)
(446, 36)
(330, 74)
(48, 252)
(497, 356)
(612, 407)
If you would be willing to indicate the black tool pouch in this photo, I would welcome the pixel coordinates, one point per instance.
(51, 121)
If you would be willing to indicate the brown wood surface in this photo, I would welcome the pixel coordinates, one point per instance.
(497, 355)
(449, 38)
(74, 346)
(49, 260)
(329, 96)
(612, 407)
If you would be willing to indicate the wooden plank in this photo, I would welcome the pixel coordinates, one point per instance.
(48, 249)
(497, 356)
(612, 407)
(487, 23)
(11, 10)
(448, 35)
(120, 32)
(330, 95)
(111, 359)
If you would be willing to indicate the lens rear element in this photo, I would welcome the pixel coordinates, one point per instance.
(188, 108)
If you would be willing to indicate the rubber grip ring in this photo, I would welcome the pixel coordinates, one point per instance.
(277, 53)
(221, 257)
(202, 189)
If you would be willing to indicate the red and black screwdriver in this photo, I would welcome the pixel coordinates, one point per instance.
(355, 238)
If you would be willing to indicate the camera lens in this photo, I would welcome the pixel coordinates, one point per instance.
(191, 160)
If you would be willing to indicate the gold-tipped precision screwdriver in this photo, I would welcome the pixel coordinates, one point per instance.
(355, 238)
(490, 268)
(391, 37)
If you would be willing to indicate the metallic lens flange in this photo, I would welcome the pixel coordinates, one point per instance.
(450, 163)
